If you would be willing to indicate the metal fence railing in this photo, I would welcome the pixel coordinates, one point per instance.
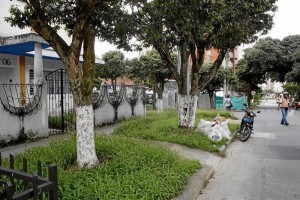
(21, 99)
(20, 185)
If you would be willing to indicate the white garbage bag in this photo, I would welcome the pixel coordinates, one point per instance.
(205, 126)
(214, 130)
(215, 135)
(225, 130)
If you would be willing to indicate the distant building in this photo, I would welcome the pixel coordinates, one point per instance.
(230, 60)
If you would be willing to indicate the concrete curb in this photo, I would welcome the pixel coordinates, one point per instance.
(223, 148)
(196, 183)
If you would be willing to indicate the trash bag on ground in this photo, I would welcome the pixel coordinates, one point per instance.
(215, 135)
(226, 132)
(214, 130)
(205, 126)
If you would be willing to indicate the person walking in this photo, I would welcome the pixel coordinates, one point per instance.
(227, 102)
(283, 105)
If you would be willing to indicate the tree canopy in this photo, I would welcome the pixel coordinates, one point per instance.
(192, 26)
(189, 28)
(276, 59)
(149, 69)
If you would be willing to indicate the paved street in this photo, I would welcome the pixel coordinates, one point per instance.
(266, 167)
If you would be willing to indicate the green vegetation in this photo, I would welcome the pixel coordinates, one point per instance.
(128, 169)
(164, 127)
(55, 121)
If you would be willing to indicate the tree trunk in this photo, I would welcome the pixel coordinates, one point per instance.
(86, 154)
(159, 102)
(154, 98)
(187, 106)
(81, 79)
(159, 105)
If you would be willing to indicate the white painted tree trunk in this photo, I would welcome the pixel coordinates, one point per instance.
(187, 106)
(86, 152)
(159, 105)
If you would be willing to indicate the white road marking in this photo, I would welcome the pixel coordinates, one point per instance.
(264, 135)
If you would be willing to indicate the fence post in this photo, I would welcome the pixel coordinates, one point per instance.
(39, 172)
(52, 170)
(35, 186)
(39, 166)
(25, 169)
(62, 100)
(12, 166)
(9, 191)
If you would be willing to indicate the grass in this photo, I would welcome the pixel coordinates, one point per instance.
(164, 127)
(55, 122)
(129, 169)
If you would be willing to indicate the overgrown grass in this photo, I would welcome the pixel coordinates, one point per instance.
(129, 169)
(56, 121)
(164, 127)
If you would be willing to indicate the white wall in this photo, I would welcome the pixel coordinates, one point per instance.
(203, 101)
(105, 114)
(9, 68)
(36, 123)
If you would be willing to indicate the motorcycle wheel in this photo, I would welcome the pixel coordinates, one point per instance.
(245, 133)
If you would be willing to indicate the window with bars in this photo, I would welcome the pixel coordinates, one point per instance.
(56, 85)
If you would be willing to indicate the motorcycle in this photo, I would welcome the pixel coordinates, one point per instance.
(247, 122)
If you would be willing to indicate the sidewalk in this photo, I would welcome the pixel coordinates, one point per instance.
(197, 181)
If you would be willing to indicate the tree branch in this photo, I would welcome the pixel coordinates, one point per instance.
(213, 70)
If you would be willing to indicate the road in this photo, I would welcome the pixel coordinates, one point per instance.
(265, 167)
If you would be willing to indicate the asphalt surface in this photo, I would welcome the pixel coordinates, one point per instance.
(266, 167)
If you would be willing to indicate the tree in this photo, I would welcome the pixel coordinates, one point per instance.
(154, 72)
(271, 58)
(291, 88)
(247, 79)
(267, 59)
(113, 68)
(292, 45)
(80, 19)
(190, 27)
(216, 83)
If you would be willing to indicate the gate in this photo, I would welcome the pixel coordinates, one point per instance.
(219, 104)
(61, 115)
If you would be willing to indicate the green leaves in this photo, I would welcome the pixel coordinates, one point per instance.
(271, 58)
(113, 67)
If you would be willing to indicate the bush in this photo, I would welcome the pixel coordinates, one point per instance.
(128, 169)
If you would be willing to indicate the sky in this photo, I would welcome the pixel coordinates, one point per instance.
(286, 22)
(286, 19)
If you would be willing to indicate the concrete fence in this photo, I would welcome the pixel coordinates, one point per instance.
(28, 119)
(126, 102)
(24, 113)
